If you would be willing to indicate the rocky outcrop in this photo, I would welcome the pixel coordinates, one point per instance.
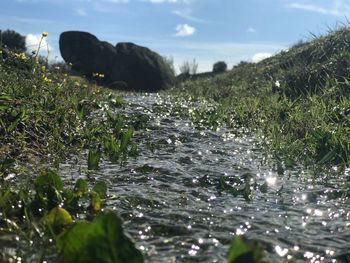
(137, 67)
(86, 53)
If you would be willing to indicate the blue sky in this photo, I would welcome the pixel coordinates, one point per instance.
(207, 30)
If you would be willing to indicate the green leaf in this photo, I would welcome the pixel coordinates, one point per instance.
(48, 178)
(93, 159)
(5, 101)
(57, 218)
(101, 241)
(81, 186)
(95, 202)
(6, 164)
(125, 140)
(100, 188)
(243, 252)
(328, 157)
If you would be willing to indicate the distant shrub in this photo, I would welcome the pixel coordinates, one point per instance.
(219, 67)
(13, 40)
(189, 68)
(170, 62)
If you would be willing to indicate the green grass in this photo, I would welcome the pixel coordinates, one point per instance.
(297, 101)
(45, 117)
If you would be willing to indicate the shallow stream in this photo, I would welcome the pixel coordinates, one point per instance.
(178, 203)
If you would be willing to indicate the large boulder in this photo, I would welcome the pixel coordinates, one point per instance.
(141, 68)
(86, 53)
(138, 68)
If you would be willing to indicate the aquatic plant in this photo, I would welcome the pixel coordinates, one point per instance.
(102, 240)
(242, 251)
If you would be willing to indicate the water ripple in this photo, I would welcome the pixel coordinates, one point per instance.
(179, 202)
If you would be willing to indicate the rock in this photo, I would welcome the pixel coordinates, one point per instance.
(141, 68)
(119, 85)
(125, 66)
(86, 53)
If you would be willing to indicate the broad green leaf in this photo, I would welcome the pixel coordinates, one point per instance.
(101, 241)
(48, 178)
(57, 218)
(101, 188)
(95, 202)
(54, 197)
(81, 186)
(244, 252)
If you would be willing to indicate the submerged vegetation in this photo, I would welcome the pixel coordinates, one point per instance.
(298, 101)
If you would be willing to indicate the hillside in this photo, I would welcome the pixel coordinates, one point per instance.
(297, 101)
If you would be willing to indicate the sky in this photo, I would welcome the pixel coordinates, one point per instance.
(205, 30)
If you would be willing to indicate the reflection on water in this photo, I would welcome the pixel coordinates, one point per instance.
(179, 198)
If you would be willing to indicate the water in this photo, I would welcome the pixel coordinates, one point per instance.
(175, 207)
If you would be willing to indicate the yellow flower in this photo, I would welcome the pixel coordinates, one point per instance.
(20, 56)
(46, 79)
(101, 75)
(44, 34)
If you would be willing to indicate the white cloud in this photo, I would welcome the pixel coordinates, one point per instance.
(260, 56)
(337, 7)
(187, 14)
(251, 30)
(33, 41)
(184, 30)
(80, 12)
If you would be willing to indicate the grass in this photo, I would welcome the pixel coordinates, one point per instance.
(45, 117)
(297, 101)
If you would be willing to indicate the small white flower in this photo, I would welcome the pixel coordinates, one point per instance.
(278, 84)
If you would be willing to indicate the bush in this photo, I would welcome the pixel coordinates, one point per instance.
(170, 62)
(219, 67)
(13, 40)
(189, 68)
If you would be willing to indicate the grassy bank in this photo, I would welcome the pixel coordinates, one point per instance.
(45, 117)
(297, 101)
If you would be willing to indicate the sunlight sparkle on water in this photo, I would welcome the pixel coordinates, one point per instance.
(281, 251)
(271, 180)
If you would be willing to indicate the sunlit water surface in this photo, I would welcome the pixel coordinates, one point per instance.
(173, 207)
